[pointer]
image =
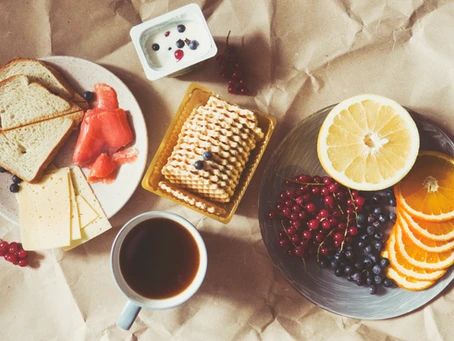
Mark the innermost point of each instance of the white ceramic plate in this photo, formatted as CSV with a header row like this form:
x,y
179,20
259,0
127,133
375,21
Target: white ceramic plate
x,y
83,74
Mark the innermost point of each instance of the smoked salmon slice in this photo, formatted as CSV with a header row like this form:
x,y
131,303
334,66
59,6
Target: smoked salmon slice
x,y
105,97
104,131
105,166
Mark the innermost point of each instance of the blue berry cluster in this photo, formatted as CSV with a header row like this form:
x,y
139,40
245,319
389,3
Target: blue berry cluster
x,y
14,187
199,164
360,261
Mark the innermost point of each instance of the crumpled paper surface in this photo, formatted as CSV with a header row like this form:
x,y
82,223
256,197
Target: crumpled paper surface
x,y
300,56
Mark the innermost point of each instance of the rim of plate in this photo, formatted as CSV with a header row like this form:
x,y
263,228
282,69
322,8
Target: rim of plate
x,y
437,288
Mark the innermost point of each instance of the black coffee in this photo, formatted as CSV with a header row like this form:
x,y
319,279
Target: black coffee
x,y
159,258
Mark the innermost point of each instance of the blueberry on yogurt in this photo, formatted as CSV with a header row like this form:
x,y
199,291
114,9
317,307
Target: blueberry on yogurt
x,y
180,43
181,28
193,44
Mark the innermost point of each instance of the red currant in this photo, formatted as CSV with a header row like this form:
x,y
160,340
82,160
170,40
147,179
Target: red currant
x,y
296,224
305,243
231,89
310,207
341,226
297,208
338,236
290,193
326,224
317,179
305,188
353,230
306,198
288,203
307,234
340,195
294,216
286,211
299,251
334,187
283,242
13,247
291,231
359,201
324,191
319,237
312,224
13,259
328,200
295,239
302,215
327,180
237,75
22,254
324,251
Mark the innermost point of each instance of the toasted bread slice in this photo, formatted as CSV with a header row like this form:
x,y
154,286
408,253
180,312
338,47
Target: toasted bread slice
x,y
23,102
44,74
27,151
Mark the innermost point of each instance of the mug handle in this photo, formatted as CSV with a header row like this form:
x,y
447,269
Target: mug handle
x,y
128,315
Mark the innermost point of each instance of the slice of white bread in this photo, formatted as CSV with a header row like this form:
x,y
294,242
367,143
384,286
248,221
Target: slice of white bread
x,y
42,73
27,151
23,102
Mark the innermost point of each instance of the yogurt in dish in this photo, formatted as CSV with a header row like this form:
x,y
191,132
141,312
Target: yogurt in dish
x,y
173,43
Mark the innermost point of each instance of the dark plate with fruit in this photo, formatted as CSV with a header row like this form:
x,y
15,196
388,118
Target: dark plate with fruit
x,y
336,271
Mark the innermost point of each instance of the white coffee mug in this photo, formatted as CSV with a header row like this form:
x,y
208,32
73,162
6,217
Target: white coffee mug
x,y
136,301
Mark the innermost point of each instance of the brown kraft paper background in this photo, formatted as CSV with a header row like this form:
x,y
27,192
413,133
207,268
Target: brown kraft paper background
x,y
300,56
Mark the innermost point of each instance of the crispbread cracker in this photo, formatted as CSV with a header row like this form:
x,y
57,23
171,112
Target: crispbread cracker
x,y
187,197
245,116
229,133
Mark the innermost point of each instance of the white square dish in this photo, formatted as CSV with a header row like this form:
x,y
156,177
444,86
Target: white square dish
x,y
174,43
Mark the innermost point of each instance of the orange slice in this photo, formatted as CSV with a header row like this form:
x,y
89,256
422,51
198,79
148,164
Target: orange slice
x,y
422,241
427,192
403,281
399,263
419,257
368,142
438,231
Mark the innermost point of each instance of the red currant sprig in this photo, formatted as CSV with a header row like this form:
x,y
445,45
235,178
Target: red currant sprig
x,y
232,70
318,215
13,253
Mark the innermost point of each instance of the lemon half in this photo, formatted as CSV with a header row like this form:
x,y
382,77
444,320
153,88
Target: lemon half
x,y
368,142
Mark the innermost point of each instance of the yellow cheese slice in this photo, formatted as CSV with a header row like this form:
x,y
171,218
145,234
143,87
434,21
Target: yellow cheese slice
x,y
86,213
45,212
75,216
97,226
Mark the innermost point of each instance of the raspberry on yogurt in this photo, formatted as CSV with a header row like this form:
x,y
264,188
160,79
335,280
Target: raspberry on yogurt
x,y
176,42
